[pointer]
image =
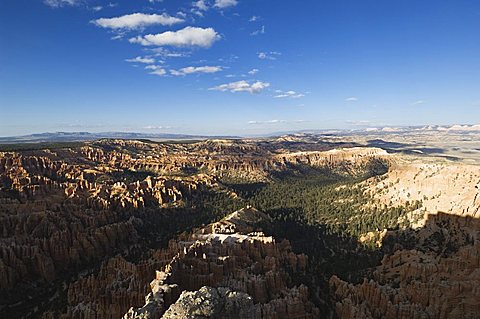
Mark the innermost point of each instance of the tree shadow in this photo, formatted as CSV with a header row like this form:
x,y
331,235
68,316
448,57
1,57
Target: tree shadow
x,y
330,253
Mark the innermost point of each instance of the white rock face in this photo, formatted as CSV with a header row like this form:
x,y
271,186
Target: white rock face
x,y
211,303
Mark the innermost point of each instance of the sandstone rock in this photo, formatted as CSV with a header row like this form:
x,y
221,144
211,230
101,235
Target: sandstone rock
x,y
249,264
435,280
212,303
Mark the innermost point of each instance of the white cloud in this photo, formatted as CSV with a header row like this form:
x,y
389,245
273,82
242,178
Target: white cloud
x,y
198,69
221,4
289,94
97,8
156,127
253,71
60,3
186,37
200,5
140,59
260,31
153,67
159,72
176,73
254,18
268,55
242,86
267,122
156,70
168,54
136,20
359,122
351,99
418,102
197,12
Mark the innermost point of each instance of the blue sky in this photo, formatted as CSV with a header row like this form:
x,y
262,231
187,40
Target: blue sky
x,y
236,66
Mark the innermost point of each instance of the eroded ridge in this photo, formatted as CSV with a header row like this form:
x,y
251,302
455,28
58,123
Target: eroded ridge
x,y
231,259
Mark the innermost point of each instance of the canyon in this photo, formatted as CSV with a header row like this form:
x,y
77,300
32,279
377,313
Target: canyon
x,y
141,229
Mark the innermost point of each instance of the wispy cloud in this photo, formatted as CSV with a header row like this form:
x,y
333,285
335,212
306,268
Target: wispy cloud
x,y
156,70
288,94
165,53
253,71
254,18
198,69
242,86
418,102
267,122
186,37
351,99
156,127
200,5
260,31
359,122
272,55
140,59
221,4
136,21
61,3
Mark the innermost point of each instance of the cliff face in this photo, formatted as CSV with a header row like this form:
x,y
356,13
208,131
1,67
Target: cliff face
x,y
431,271
236,159
257,270
441,186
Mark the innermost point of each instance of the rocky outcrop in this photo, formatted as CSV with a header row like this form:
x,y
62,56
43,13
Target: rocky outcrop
x,y
212,303
438,278
223,302
443,186
247,263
